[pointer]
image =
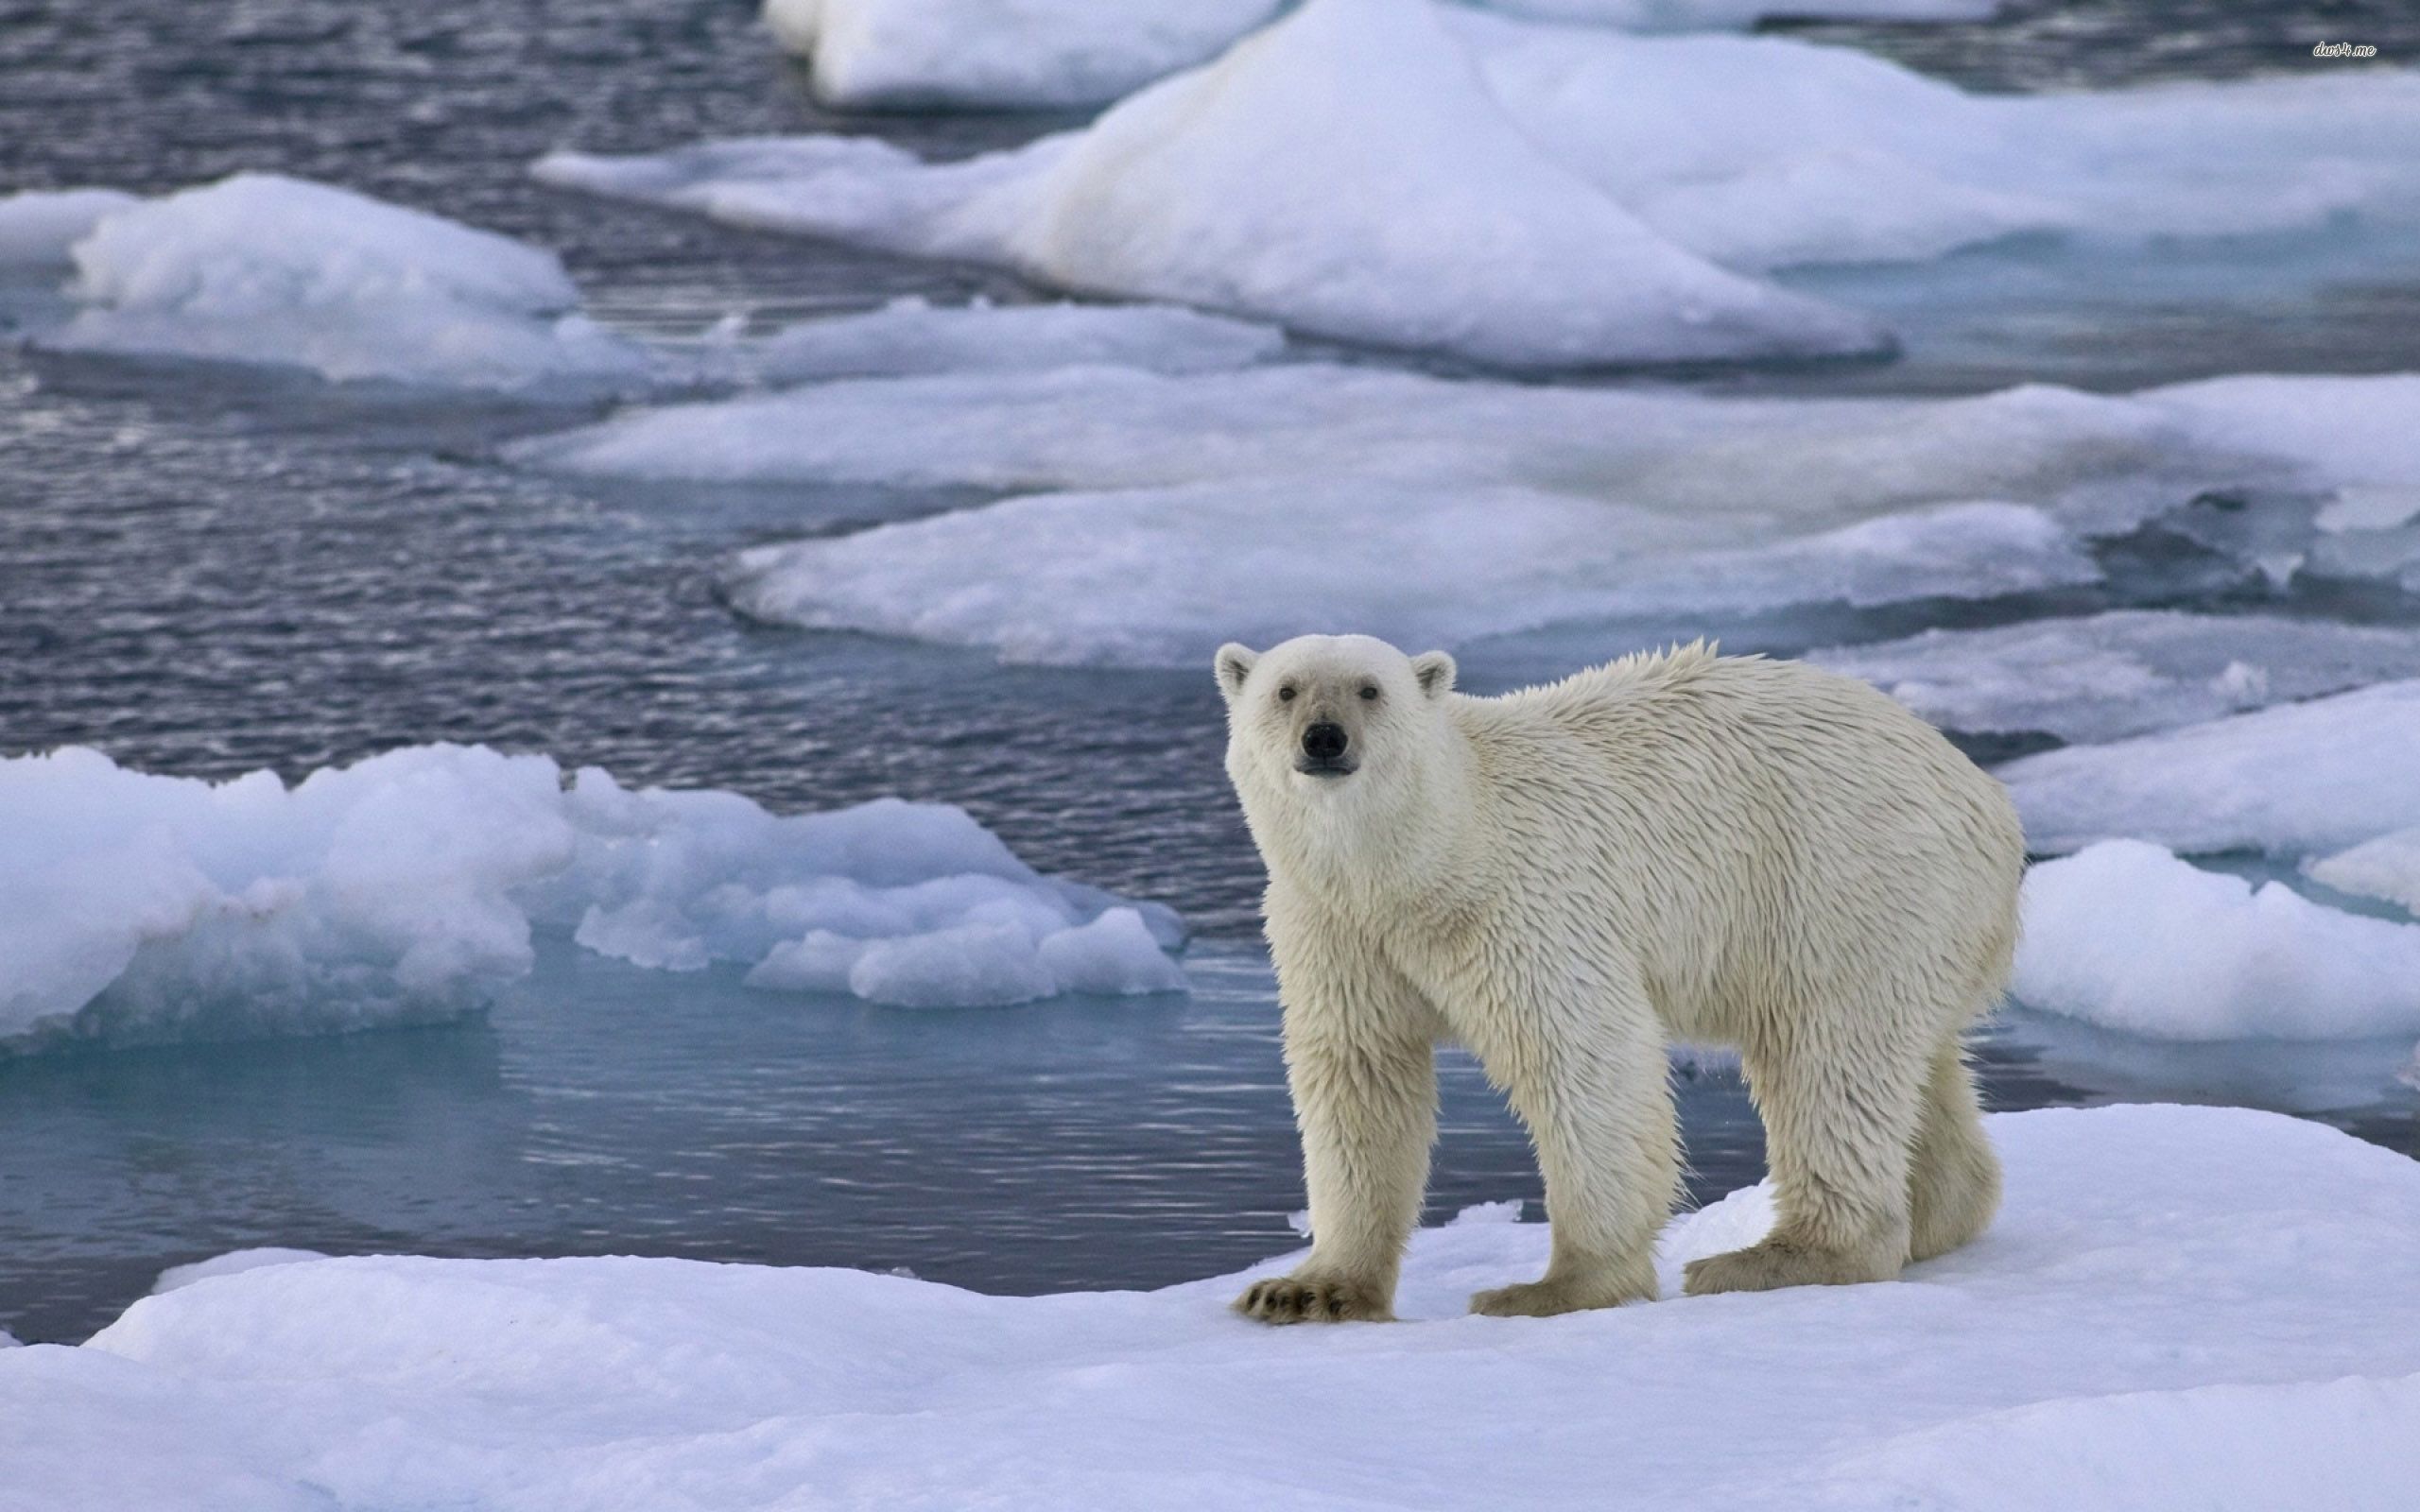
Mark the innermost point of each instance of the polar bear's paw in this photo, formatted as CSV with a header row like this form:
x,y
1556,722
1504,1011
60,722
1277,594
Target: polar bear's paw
x,y
1314,1299
1775,1263
1554,1295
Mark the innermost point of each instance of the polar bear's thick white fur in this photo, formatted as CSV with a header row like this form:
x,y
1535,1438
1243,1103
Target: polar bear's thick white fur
x,y
1566,878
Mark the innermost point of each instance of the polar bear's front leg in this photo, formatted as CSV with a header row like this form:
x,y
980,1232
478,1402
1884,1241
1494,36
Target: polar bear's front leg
x,y
1585,1067
1361,1061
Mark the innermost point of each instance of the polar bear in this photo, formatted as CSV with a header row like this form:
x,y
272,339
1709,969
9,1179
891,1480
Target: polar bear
x,y
1563,879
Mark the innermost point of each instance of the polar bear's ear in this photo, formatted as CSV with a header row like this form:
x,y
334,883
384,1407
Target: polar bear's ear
x,y
1236,660
1435,670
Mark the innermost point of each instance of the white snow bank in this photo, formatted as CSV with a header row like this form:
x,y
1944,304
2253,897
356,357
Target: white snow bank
x,y
1159,577
2298,779
1169,490
2387,867
264,268
1404,209
1480,175
2176,1305
1031,53
877,54
2104,677
41,227
911,336
402,888
234,1263
2124,935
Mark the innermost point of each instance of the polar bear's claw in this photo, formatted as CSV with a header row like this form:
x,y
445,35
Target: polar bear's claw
x,y
1312,1299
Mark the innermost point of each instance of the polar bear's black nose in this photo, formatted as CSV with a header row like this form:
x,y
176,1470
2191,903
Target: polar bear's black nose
x,y
1324,740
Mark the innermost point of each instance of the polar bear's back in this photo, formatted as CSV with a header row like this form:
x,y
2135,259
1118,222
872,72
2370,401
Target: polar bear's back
x,y
1725,813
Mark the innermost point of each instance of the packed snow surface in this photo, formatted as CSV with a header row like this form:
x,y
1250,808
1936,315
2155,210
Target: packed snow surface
x,y
2104,677
2299,779
1026,53
1030,54
1518,193
262,269
2124,935
1448,509
403,887
2177,1306
1406,211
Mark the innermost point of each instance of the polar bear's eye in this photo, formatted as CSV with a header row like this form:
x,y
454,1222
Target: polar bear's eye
x,y
1368,690
1286,694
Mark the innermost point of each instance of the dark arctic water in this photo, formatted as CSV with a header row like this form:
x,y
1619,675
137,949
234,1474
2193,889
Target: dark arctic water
x,y
206,569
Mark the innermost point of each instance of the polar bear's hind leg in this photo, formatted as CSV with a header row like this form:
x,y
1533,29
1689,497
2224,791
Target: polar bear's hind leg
x,y
1954,1181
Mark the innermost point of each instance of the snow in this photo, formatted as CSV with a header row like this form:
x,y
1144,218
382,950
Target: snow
x,y
39,227
2104,677
235,1263
1519,193
1219,187
1026,53
1160,578
2176,1306
1153,498
2126,935
403,887
911,336
1030,54
2387,867
2297,779
262,269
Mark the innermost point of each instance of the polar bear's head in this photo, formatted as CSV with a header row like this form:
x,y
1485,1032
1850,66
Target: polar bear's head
x,y
1331,719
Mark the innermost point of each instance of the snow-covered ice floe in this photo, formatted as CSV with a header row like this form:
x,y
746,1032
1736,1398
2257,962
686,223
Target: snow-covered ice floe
x,y
404,888
264,268
1548,196
2129,671
2297,781
900,54
2177,1306
2125,935
1450,510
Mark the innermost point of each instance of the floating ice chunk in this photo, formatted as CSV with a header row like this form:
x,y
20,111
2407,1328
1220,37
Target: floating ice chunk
x,y
140,907
1159,577
2190,1305
2108,676
2124,935
262,269
235,1263
402,888
1502,169
909,336
1220,187
898,53
2387,867
1040,53
39,227
2297,779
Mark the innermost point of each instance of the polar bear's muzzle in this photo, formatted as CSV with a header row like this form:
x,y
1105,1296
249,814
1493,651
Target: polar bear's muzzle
x,y
1326,751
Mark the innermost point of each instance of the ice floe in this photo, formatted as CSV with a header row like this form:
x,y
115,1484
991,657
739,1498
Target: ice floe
x,y
403,887
2297,781
264,268
2126,935
2104,677
1162,576
2387,867
1545,196
41,227
1024,54
890,54
2176,1306
1406,211
1157,499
